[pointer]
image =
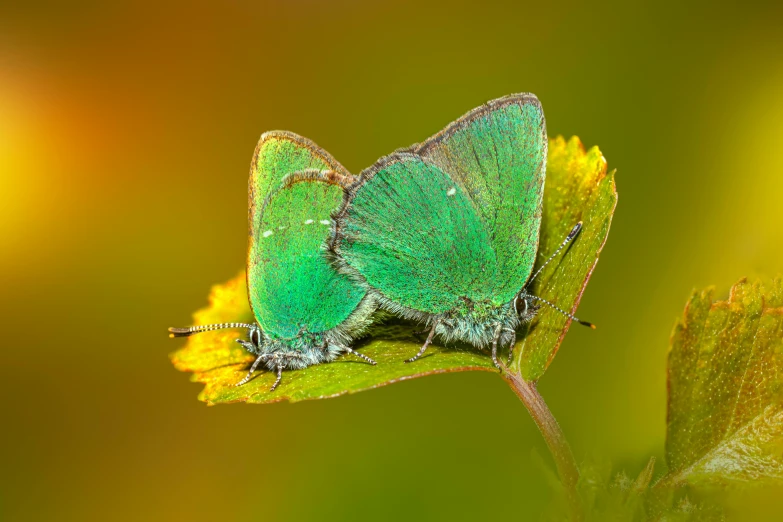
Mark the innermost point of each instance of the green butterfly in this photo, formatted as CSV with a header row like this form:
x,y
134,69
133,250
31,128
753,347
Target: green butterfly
x,y
446,231
307,313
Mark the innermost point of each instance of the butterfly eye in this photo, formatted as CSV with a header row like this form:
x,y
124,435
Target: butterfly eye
x,y
520,305
255,336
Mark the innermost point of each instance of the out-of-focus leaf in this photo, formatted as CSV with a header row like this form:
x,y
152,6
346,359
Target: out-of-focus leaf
x,y
725,418
682,505
618,497
577,188
621,498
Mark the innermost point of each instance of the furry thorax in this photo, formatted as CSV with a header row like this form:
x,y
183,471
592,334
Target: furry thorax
x,y
310,348
478,324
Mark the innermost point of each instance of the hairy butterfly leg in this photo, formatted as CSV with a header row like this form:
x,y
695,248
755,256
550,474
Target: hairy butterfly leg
x,y
498,331
279,377
360,355
247,345
511,344
425,345
253,368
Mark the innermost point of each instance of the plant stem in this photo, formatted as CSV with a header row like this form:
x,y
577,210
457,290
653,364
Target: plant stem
x,y
555,440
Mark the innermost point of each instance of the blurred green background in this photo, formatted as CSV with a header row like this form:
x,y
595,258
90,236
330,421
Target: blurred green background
x,y
126,133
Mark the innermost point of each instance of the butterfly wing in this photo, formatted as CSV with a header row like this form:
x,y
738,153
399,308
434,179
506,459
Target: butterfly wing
x,y
278,155
498,153
294,186
454,218
413,234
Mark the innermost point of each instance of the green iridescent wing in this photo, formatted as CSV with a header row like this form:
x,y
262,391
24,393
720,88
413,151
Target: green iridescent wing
x,y
294,187
455,217
280,154
498,152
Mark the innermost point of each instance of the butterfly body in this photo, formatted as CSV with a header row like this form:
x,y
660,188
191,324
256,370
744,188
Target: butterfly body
x,y
306,312
447,231
296,353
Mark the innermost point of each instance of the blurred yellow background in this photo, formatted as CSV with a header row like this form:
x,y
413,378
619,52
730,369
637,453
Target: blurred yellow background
x,y
126,133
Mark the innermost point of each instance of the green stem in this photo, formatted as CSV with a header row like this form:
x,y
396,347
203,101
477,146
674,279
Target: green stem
x,y
555,440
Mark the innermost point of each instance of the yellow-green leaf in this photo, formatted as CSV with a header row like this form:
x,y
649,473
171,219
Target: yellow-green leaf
x,y
725,419
220,363
577,188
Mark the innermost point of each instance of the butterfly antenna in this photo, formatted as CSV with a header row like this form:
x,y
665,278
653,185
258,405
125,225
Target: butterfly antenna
x,y
570,316
190,330
571,235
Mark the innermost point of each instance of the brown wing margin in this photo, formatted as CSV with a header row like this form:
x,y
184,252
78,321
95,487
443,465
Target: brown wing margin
x,y
511,99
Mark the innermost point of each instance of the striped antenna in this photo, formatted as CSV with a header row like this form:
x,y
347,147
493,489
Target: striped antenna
x,y
190,330
523,294
570,316
571,235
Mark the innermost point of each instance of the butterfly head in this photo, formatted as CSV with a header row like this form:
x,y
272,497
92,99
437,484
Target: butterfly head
x,y
477,323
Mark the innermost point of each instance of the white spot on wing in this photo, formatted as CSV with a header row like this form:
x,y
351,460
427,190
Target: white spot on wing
x,y
309,222
267,233
451,191
324,222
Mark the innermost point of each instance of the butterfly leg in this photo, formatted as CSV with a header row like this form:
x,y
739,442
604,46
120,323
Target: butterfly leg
x,y
247,345
498,331
252,369
360,355
511,345
425,345
279,377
